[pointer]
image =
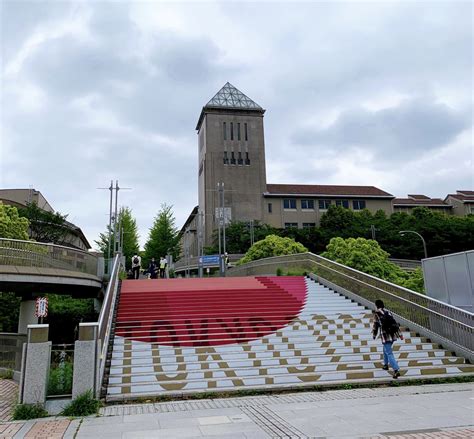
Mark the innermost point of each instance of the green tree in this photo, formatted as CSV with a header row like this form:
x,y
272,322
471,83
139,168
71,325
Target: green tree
x,y
9,312
12,224
163,237
45,226
273,245
367,256
130,244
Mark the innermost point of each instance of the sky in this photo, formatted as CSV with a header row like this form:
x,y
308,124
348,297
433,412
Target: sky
x,y
356,93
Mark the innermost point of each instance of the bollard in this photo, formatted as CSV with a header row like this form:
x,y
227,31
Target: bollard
x,y
85,360
35,367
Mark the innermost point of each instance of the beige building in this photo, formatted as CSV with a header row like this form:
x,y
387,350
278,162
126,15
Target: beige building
x,y
462,202
232,177
233,185
408,204
22,197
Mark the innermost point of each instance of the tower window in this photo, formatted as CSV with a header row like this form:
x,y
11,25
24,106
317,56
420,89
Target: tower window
x,y
224,127
238,131
232,157
246,132
247,159
240,160
231,131
226,158
270,207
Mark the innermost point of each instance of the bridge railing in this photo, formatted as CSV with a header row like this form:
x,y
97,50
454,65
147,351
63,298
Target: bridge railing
x,y
15,252
450,326
106,318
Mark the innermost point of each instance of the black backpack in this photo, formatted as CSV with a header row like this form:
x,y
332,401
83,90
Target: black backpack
x,y
389,324
136,260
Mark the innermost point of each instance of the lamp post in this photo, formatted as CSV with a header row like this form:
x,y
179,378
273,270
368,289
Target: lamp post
x,y
404,232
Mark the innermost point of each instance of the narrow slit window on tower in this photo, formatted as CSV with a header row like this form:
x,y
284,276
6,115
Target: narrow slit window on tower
x,y
232,158
247,159
224,127
231,131
238,131
246,132
270,207
226,159
240,160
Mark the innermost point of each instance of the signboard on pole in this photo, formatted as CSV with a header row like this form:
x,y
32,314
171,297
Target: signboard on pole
x,y
41,309
210,261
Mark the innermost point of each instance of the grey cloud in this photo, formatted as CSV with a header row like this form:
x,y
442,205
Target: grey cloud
x,y
410,129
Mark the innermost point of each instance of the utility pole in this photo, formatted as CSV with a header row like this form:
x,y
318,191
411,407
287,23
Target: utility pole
x,y
373,230
252,233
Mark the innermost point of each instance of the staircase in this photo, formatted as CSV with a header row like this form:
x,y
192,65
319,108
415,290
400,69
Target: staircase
x,y
181,336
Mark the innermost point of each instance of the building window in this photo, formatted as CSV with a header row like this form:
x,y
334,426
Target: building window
x,y
231,131
240,160
343,203
289,203
358,204
232,158
226,158
309,225
224,127
246,132
324,204
238,131
270,207
291,225
307,204
247,160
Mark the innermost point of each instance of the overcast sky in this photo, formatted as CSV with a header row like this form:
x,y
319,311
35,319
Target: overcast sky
x,y
371,93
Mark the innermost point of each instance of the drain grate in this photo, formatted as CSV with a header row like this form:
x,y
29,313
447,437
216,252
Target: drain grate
x,y
271,423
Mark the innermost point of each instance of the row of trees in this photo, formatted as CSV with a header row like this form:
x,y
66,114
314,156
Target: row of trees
x,y
162,239
443,234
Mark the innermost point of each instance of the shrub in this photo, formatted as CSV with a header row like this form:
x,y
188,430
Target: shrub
x,y
273,245
6,374
28,411
60,379
84,405
279,272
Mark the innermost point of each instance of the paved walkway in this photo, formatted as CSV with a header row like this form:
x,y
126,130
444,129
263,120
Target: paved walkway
x,y
430,411
8,396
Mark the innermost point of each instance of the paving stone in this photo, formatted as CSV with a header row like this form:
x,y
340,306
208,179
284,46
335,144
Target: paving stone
x,y
48,429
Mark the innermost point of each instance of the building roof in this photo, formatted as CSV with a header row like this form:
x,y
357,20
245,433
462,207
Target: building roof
x,y
326,191
229,98
463,192
464,198
422,200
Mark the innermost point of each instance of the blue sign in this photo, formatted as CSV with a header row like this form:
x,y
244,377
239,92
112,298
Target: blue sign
x,y
211,260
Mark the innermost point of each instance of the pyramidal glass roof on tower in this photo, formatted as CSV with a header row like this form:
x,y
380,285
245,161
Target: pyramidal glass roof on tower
x,y
229,97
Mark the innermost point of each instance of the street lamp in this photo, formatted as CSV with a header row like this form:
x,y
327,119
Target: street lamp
x,y
403,232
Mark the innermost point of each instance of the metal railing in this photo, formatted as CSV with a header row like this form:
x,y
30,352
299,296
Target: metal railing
x,y
11,350
106,317
406,264
454,327
194,262
14,252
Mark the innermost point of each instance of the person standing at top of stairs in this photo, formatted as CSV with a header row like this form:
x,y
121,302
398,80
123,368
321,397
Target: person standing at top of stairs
x,y
389,330
163,263
136,265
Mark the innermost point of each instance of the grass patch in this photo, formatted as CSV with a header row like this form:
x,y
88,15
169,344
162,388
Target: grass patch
x,y
84,405
29,411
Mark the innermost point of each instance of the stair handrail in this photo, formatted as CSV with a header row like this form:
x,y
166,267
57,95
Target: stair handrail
x,y
452,324
106,318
